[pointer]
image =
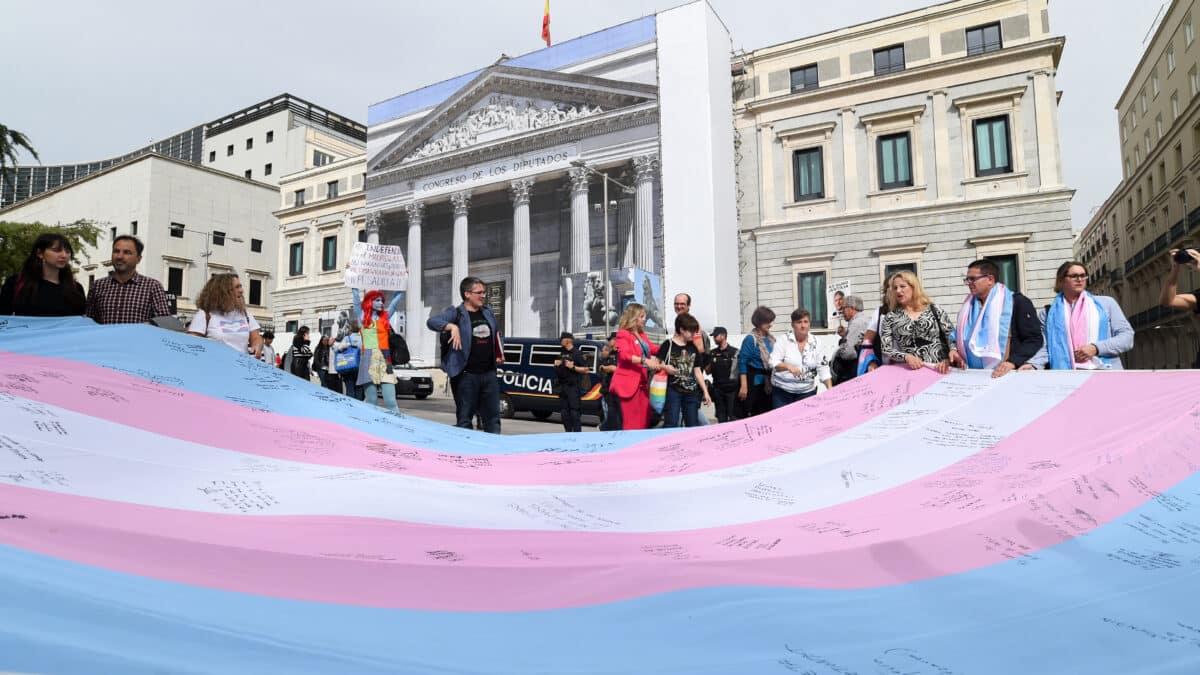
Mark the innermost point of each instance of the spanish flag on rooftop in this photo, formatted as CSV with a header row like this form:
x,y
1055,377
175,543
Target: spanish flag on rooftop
x,y
546,24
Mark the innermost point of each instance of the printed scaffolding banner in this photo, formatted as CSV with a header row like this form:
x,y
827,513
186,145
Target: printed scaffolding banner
x,y
168,505
377,266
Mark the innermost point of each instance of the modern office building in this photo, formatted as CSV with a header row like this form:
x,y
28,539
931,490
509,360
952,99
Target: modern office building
x,y
219,180
194,221
1156,206
919,141
500,173
321,215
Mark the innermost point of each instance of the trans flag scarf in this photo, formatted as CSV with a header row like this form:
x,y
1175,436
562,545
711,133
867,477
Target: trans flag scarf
x,y
1069,327
982,333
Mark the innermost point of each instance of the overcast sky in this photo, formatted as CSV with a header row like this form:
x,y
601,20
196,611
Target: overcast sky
x,y
89,80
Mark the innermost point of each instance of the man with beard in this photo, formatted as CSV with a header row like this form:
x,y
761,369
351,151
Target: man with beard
x,y
125,296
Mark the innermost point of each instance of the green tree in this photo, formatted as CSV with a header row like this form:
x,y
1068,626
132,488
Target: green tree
x,y
12,141
16,240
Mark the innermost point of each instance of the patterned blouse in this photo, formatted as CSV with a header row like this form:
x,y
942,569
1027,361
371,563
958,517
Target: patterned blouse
x,y
927,338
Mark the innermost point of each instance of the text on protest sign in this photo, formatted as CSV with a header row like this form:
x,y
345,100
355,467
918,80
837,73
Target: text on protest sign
x,y
377,266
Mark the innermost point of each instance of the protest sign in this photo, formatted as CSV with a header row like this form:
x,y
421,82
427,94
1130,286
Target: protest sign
x,y
377,266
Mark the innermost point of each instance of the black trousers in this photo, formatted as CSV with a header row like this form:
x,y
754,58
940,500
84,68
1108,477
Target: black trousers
x,y
757,402
568,407
727,404
612,413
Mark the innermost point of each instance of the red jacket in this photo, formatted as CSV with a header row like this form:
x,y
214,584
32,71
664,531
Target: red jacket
x,y
629,375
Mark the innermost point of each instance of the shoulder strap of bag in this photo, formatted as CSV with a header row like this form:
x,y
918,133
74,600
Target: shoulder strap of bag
x,y
941,329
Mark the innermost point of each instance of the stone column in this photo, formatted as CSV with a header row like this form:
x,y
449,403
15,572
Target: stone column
x,y
521,322
1045,101
581,237
462,205
941,145
414,319
374,225
643,224
850,159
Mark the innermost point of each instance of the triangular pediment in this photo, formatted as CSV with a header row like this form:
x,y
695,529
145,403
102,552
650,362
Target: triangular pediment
x,y
505,101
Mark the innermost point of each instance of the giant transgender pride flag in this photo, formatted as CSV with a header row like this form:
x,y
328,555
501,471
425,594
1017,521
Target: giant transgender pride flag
x,y
170,506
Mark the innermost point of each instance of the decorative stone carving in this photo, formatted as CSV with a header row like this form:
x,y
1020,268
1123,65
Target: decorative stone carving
x,y
644,168
501,113
519,191
461,202
579,178
374,223
415,210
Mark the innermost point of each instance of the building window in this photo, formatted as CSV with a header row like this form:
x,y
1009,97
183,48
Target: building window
x,y
218,238
1189,33
256,245
270,136
1178,157
266,169
1127,167
256,292
229,151
1194,81
299,200
177,230
332,188
1171,59
248,174
113,231
1158,126
91,282
1146,141
992,154
175,281
212,156
362,236
1137,156
1174,107
1010,271
889,60
983,39
249,143
1154,83
296,259
133,227
329,253
291,326
320,158
895,161
804,78
811,287
889,270
808,174
1124,131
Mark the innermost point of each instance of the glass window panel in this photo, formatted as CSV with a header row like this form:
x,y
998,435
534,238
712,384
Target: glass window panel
x,y
983,147
812,297
902,159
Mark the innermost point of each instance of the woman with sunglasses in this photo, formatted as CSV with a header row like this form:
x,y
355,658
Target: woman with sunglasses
x,y
1081,331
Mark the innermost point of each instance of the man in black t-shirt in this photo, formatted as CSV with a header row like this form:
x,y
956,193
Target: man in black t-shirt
x,y
568,367
722,365
474,351
609,400
1171,297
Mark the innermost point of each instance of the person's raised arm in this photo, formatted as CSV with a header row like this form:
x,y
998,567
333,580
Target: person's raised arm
x,y
1170,295
391,308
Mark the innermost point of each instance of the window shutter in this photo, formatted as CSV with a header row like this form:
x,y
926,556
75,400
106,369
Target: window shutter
x,y
356,181
342,185
322,190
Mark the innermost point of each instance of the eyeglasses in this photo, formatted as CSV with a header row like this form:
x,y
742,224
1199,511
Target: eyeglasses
x,y
1077,277
977,277
477,292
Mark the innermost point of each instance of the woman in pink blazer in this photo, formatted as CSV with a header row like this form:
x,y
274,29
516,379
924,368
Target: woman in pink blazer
x,y
631,381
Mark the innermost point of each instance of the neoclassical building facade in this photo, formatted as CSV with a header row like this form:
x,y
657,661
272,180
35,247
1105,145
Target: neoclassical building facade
x,y
541,170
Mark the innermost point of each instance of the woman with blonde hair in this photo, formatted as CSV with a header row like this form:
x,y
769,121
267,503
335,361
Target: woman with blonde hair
x,y
221,315
916,332
630,382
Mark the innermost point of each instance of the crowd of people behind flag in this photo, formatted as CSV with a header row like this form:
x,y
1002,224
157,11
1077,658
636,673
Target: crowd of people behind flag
x,y
995,328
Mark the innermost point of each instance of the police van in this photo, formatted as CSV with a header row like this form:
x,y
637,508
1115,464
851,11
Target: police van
x,y
527,377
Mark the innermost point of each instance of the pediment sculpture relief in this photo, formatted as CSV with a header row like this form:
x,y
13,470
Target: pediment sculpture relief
x,y
502,114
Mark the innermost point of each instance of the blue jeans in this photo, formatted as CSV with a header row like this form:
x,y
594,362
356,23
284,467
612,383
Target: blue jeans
x,y
389,395
780,398
477,394
679,404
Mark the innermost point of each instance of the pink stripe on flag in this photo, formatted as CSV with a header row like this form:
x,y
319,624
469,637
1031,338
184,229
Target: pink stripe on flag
x,y
86,389
1045,484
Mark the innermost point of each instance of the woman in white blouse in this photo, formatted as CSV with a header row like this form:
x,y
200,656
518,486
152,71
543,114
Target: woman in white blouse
x,y
797,363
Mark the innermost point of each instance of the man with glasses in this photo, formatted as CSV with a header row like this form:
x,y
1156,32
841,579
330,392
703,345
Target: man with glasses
x,y
997,328
471,350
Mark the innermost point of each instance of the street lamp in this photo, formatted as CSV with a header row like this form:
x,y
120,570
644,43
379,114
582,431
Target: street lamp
x,y
625,189
208,237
